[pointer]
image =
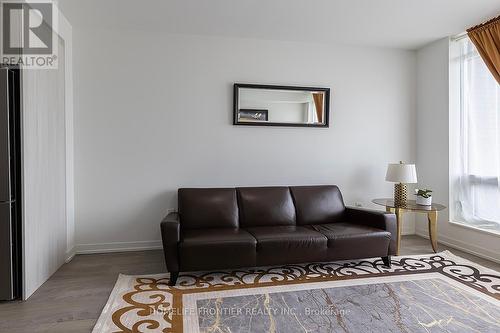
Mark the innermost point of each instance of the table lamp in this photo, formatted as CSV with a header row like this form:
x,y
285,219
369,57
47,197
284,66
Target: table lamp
x,y
401,174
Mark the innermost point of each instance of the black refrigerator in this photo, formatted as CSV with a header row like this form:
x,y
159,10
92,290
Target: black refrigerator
x,y
10,184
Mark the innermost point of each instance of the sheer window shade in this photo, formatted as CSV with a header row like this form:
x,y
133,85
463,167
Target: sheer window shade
x,y
477,191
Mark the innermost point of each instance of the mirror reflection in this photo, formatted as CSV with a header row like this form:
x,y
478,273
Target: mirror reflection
x,y
283,106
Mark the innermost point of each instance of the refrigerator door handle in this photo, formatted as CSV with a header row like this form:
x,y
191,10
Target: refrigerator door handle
x,y
5,185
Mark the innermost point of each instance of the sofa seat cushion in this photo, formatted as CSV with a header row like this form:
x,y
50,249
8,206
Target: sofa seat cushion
x,y
202,249
288,244
353,241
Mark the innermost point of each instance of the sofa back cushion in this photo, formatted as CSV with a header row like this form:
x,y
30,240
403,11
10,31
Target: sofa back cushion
x,y
265,206
208,208
318,204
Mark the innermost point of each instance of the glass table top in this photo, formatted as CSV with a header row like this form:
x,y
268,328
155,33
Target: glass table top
x,y
410,205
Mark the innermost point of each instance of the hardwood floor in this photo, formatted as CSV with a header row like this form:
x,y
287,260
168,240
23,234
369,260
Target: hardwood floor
x,y
72,299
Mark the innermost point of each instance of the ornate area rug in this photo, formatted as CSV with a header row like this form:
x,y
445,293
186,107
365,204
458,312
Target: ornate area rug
x,y
425,293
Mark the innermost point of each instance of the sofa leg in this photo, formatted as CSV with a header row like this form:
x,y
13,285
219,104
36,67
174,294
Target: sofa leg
x,y
387,261
173,278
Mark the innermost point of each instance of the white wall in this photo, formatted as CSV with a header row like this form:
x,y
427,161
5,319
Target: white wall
x,y
433,121
153,113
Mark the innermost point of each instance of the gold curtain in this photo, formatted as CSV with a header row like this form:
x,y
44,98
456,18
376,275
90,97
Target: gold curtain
x,y
486,38
318,103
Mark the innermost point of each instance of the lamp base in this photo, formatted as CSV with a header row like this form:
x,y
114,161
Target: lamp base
x,y
400,194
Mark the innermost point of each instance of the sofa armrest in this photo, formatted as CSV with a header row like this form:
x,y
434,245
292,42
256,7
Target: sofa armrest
x,y
171,235
377,219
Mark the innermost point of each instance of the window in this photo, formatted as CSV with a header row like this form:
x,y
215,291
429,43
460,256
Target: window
x,y
475,168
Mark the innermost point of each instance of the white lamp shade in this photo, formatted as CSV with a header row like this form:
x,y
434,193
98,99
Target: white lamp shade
x,y
401,173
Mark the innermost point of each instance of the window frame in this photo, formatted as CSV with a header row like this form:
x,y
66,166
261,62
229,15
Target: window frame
x,y
456,105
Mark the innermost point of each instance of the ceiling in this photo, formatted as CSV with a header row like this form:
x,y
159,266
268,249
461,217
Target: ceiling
x,y
407,24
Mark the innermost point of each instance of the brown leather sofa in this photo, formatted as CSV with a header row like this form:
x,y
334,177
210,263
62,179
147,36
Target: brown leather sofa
x,y
219,228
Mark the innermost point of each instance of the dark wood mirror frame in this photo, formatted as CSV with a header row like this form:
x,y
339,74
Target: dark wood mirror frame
x,y
237,87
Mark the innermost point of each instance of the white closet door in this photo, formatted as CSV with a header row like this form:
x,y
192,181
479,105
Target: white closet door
x,y
44,163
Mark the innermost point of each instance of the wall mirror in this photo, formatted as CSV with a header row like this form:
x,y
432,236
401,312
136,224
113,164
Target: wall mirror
x,y
265,105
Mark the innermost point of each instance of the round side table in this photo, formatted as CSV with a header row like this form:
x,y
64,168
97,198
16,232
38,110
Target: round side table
x,y
411,206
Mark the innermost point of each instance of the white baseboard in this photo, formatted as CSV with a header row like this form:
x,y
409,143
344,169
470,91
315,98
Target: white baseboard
x,y
70,254
118,247
462,246
134,246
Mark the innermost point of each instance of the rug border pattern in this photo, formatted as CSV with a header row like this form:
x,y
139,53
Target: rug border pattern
x,y
168,300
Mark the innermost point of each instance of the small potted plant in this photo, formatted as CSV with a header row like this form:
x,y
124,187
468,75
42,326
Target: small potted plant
x,y
424,197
